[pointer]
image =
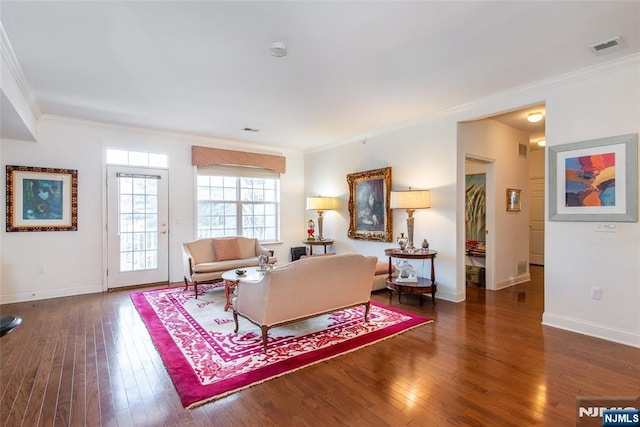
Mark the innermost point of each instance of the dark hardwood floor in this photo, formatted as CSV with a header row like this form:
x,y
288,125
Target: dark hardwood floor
x,y
88,360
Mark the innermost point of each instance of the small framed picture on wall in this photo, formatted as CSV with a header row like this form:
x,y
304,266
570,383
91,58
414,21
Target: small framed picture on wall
x,y
513,200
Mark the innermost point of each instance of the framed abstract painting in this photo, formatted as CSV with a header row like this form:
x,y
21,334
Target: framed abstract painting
x,y
41,199
595,180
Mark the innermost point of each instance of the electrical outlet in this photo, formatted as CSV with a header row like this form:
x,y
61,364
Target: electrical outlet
x,y
41,269
596,293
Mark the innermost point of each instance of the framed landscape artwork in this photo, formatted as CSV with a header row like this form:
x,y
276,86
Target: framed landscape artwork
x,y
41,199
594,180
369,209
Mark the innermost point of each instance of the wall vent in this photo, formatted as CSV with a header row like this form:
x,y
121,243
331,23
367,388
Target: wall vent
x,y
608,46
522,267
523,150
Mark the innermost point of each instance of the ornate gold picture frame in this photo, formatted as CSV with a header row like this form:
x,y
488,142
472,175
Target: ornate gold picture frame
x,y
514,203
41,199
369,208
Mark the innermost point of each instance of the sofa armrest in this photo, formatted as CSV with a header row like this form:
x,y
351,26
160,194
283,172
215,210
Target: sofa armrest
x,y
261,250
251,299
188,262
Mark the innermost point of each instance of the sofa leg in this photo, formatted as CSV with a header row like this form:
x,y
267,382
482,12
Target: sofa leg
x,y
235,319
265,335
367,306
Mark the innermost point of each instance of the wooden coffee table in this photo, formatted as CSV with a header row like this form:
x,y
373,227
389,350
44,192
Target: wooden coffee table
x,y
231,279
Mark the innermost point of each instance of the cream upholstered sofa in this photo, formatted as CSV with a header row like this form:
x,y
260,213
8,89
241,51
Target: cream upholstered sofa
x,y
303,289
381,272
206,259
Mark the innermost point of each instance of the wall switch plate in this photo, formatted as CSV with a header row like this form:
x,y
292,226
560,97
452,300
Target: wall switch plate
x,y
596,293
606,228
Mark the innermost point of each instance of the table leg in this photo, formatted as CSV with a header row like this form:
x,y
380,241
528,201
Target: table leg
x,y
433,282
229,285
433,272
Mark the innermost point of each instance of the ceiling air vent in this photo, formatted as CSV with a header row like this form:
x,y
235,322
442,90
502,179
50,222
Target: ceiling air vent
x,y
608,46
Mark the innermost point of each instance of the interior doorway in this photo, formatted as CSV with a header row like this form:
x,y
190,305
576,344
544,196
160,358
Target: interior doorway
x,y
479,220
508,152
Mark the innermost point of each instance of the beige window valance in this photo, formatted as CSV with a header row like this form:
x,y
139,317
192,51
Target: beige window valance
x,y
207,156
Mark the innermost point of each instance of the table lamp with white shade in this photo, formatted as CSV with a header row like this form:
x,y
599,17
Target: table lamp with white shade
x,y
410,200
321,204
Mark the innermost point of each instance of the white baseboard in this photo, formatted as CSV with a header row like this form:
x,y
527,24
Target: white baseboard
x,y
592,329
513,281
53,293
447,296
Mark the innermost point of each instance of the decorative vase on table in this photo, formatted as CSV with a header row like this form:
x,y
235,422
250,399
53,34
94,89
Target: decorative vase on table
x,y
402,241
263,262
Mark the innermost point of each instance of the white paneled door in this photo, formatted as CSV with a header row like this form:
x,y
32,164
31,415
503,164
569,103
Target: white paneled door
x,y
137,228
536,221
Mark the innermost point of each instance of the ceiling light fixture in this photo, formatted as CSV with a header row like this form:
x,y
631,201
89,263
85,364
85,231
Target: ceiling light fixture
x,y
278,49
534,117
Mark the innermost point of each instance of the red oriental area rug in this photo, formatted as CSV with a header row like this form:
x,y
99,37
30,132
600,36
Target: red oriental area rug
x,y
207,360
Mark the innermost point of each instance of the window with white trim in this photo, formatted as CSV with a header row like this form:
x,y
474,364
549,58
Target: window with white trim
x,y
136,158
238,201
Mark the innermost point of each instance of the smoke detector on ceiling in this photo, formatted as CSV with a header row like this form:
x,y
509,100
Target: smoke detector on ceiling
x,y
608,46
278,49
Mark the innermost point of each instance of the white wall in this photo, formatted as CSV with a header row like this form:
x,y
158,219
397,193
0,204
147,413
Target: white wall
x,y
576,257
74,261
421,156
536,164
597,102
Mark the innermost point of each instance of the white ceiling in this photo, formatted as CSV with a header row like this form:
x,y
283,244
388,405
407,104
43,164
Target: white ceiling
x,y
353,67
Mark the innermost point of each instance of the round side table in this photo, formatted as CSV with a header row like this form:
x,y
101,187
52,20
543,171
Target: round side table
x,y
317,242
422,285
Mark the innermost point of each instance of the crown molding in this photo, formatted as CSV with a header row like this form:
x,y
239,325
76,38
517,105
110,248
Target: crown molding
x,y
535,89
9,56
206,140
